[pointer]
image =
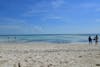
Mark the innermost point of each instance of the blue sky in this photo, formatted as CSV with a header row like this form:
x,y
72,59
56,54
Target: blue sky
x,y
49,16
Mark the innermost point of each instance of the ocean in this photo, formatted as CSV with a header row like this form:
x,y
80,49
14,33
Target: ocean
x,y
47,38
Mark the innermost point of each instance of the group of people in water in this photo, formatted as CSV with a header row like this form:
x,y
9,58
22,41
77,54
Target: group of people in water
x,y
96,38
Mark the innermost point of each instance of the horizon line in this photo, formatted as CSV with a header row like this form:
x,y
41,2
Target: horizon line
x,y
50,34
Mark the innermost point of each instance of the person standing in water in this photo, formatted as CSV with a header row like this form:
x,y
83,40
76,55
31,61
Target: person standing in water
x,y
96,39
8,38
90,40
15,38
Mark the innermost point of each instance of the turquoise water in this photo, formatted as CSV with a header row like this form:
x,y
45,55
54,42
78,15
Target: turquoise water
x,y
49,38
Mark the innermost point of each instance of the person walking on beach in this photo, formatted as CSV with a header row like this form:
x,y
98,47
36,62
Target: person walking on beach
x,y
96,39
90,40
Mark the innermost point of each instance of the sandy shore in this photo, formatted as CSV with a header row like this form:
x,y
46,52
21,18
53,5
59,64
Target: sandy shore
x,y
49,55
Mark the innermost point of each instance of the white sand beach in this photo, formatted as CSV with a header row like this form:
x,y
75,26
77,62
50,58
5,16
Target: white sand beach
x,y
49,55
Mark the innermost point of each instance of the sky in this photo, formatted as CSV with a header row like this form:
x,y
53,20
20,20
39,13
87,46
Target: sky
x,y
49,16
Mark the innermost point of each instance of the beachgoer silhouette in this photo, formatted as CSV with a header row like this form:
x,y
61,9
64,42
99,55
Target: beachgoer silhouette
x,y
90,40
96,39
8,38
15,38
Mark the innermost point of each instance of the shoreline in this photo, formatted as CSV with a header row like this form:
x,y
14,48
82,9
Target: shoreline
x,y
4,43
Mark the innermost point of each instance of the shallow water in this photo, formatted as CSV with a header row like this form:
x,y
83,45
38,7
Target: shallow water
x,y
49,38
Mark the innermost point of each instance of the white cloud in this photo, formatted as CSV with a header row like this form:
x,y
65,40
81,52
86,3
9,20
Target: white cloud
x,y
97,20
57,3
93,6
36,9
37,29
43,7
97,9
89,5
12,21
85,7
52,17
32,29
34,12
11,24
27,29
20,26
9,27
